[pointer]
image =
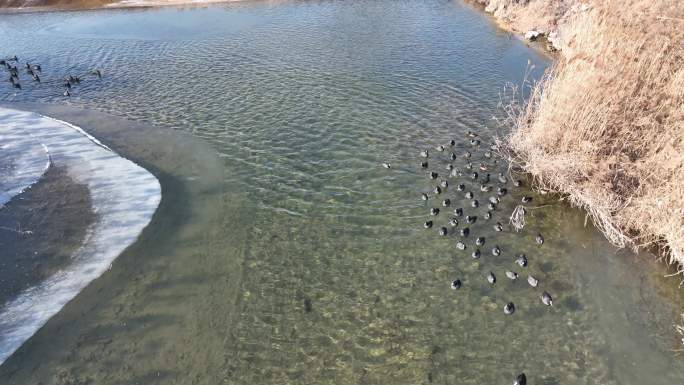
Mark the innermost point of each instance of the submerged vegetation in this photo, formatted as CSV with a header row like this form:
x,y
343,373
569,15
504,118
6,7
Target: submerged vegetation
x,y
605,127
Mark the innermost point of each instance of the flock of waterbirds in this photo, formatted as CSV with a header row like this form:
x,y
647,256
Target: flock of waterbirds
x,y
466,179
34,71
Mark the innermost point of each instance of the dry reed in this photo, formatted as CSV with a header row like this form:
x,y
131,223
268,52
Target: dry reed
x,y
605,127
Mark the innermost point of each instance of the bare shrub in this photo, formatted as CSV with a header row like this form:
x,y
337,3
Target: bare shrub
x,y
605,127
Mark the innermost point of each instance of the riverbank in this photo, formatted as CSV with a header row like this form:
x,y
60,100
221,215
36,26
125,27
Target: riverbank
x,y
605,127
68,5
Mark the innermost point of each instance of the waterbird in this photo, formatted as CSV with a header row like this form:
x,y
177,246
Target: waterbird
x,y
488,154
474,142
469,195
453,222
427,224
476,254
483,167
443,231
475,203
424,164
502,178
444,183
532,281
460,245
452,156
424,154
509,308
449,167
424,196
437,190
511,275
539,239
471,134
440,148
434,211
97,73
496,251
491,278
458,212
498,226
456,284
485,188
480,241
493,199
17,85
386,165
526,199
67,85
37,67
467,155
36,77
465,231
488,214
452,143
473,175
520,379
66,93
471,219
460,187
446,203
433,175
521,260
468,166
491,206
308,305
546,299
517,183
501,191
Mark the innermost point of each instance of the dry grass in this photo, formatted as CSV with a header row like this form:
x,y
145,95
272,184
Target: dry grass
x,y
605,127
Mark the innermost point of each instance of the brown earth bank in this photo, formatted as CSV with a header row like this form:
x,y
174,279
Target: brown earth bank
x,y
46,5
56,3
605,127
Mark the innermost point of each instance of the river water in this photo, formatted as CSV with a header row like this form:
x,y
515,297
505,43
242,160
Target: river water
x,y
282,252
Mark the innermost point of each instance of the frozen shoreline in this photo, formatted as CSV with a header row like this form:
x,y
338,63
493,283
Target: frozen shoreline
x,y
46,5
124,195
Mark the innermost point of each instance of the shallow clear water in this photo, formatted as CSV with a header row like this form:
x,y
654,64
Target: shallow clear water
x,y
299,103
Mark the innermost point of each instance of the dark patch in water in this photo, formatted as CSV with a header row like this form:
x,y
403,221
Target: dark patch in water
x,y
56,212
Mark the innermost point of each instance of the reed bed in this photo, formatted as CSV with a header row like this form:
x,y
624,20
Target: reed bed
x,y
605,126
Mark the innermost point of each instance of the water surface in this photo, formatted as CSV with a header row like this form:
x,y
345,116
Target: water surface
x,y
286,203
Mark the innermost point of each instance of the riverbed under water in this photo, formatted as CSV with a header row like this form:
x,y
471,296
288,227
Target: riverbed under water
x,y
282,252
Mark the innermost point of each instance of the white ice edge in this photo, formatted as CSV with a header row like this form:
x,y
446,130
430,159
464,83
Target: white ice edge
x,y
24,161
124,197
